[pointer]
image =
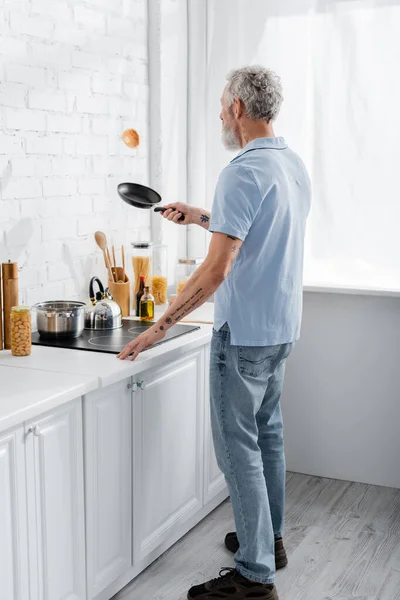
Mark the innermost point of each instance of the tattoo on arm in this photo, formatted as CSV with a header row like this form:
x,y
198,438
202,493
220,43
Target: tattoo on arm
x,y
186,307
204,218
162,327
234,248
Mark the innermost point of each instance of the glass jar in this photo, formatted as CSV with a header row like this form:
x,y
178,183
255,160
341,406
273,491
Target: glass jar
x,y
21,332
184,270
142,253
159,274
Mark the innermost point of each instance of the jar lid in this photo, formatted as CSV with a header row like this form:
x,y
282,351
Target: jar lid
x,y
20,309
141,244
190,261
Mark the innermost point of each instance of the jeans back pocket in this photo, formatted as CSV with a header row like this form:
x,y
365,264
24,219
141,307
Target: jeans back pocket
x,y
255,360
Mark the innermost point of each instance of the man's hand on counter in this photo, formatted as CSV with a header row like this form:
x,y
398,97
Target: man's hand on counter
x,y
201,285
143,341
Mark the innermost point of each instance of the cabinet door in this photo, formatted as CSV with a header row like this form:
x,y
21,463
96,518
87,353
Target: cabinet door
x,y
214,480
168,457
13,524
108,484
54,461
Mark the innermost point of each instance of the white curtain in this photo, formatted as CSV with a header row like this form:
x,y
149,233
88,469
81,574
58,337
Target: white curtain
x,y
339,61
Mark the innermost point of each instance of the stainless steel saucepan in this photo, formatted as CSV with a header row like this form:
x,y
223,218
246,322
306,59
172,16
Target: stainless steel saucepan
x,y
59,318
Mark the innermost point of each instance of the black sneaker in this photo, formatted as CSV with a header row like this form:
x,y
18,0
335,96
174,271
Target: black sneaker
x,y
281,560
232,586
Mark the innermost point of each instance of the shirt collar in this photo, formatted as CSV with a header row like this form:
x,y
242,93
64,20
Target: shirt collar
x,y
274,143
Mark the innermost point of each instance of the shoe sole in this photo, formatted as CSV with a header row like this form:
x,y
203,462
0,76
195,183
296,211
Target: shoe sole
x,y
273,596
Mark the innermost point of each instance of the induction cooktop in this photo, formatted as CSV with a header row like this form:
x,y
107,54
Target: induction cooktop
x,y
111,341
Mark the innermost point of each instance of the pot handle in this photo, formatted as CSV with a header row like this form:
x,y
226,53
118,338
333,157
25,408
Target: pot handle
x,y
91,288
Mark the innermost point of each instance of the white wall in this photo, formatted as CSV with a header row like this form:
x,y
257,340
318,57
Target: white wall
x,y
341,399
73,77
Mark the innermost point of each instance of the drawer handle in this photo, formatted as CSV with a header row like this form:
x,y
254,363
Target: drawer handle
x,y
35,429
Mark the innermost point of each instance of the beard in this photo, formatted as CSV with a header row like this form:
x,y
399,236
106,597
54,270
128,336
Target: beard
x,y
229,139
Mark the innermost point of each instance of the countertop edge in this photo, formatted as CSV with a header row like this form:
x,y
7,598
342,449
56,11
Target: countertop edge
x,y
27,413
352,291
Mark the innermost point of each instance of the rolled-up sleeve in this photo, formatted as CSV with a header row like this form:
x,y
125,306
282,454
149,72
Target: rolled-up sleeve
x,y
237,201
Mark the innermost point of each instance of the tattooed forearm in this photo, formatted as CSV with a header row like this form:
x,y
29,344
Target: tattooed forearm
x,y
204,218
189,308
234,248
187,302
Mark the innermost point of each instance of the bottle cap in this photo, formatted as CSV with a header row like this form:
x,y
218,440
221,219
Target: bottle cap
x,y
142,278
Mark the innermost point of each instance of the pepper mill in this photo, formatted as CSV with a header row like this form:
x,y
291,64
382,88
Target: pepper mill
x,y
10,297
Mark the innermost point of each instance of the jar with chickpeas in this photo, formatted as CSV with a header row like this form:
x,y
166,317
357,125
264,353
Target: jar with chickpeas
x,y
21,332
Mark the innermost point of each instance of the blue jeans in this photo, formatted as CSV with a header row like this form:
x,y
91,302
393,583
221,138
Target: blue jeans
x,y
246,419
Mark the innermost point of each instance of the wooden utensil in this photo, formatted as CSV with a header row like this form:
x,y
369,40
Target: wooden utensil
x,y
109,260
113,254
123,262
120,291
101,241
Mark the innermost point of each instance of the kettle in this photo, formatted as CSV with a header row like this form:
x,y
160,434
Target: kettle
x,y
103,312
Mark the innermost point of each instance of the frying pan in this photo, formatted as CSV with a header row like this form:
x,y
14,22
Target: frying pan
x,y
141,196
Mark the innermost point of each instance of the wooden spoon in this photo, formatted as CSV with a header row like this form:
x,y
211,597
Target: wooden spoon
x,y
101,241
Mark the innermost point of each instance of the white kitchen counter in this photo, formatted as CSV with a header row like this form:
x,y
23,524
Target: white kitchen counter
x,y
105,367
49,377
27,393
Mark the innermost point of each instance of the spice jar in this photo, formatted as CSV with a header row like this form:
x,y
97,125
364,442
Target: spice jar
x,y
159,270
21,333
184,270
142,253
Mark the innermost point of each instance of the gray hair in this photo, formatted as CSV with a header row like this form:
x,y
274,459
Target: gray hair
x,y
258,88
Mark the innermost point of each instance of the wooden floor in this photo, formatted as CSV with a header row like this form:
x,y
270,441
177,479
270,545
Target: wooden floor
x,y
343,541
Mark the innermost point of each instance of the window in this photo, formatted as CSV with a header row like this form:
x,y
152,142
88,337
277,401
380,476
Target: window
x,y
338,61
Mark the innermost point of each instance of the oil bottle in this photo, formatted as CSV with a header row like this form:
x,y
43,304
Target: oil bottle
x,y
146,309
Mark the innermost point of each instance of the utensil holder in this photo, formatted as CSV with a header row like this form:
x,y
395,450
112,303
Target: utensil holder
x,y
120,291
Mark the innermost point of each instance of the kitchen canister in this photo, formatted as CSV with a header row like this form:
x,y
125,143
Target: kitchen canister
x,y
159,284
120,290
20,331
142,255
184,270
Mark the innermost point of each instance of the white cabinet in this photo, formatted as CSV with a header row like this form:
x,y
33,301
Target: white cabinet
x,y
108,484
54,471
13,523
214,480
168,420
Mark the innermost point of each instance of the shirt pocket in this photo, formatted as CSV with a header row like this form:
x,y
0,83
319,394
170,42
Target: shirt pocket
x,y
256,360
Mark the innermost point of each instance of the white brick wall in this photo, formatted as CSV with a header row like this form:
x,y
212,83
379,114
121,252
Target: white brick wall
x,y
73,76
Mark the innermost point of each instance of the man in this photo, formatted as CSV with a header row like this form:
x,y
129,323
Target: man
x,y
254,265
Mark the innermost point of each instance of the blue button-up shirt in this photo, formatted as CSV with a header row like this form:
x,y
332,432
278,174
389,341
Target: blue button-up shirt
x,y
263,198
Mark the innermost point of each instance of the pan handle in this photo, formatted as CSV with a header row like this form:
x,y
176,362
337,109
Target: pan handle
x,y
163,209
